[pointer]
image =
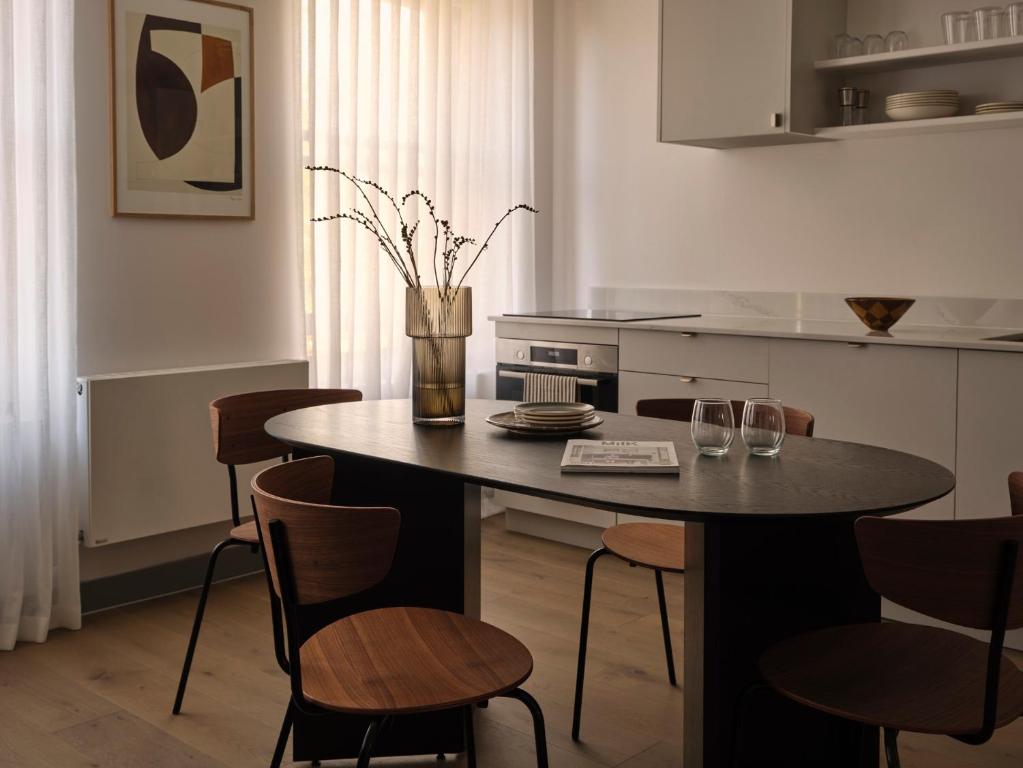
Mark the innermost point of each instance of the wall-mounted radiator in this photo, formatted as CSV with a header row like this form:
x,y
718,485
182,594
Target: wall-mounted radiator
x,y
147,452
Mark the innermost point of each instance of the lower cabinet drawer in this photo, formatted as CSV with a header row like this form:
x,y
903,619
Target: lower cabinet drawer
x,y
642,386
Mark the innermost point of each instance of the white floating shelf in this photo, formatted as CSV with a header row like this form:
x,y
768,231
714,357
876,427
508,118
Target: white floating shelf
x,y
916,127
936,55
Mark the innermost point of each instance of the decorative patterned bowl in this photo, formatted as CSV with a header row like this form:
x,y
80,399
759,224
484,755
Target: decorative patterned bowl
x,y
879,313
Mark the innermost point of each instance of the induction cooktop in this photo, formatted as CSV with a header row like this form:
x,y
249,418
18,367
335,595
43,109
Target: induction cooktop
x,y
607,315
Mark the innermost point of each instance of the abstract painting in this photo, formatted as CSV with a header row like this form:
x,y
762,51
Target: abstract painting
x,y
182,97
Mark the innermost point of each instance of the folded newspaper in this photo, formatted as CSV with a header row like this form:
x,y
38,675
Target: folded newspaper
x,y
619,456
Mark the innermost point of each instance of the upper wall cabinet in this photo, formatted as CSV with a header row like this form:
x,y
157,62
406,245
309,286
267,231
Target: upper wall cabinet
x,y
739,73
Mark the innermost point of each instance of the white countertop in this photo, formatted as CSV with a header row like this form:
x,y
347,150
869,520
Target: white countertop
x,y
951,336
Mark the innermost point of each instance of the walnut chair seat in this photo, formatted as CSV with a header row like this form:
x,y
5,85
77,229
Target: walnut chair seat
x,y
897,676
651,545
245,532
393,661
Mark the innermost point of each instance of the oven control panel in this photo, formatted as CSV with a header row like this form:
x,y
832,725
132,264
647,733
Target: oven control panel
x,y
600,358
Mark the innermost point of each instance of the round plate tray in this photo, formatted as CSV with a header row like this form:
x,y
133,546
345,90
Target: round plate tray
x,y
508,420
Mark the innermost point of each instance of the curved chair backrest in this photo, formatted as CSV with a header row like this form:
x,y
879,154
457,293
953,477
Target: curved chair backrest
x,y
1016,492
237,420
797,421
315,551
953,570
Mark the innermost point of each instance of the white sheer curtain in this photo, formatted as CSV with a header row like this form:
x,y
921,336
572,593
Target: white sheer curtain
x,y
428,94
38,517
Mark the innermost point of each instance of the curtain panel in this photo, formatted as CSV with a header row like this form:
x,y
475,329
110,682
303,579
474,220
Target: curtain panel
x,y
435,95
38,515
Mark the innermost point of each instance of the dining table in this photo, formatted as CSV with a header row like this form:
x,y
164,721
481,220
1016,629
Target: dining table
x,y
770,552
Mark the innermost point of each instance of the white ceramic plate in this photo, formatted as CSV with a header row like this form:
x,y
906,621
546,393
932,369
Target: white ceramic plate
x,y
924,93
554,410
913,102
925,112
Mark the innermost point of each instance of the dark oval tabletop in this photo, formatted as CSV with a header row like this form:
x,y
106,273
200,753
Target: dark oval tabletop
x,y
810,477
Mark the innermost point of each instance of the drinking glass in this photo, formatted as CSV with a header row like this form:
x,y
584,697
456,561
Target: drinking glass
x,y
990,22
713,426
1014,17
873,44
763,426
896,40
959,26
846,45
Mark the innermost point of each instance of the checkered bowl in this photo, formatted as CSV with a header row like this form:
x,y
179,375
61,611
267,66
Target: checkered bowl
x,y
879,313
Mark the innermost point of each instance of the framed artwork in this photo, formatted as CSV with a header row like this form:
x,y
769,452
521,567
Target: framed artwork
x,y
181,101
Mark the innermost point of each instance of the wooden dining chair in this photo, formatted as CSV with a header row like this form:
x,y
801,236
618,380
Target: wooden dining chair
x,y
904,677
657,546
1016,492
380,663
239,438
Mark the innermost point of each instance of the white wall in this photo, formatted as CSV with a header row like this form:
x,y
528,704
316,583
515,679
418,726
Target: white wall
x,y
925,215
156,293
162,293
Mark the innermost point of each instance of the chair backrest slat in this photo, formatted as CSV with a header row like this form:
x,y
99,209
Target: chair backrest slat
x,y
1016,492
334,551
237,420
797,421
946,569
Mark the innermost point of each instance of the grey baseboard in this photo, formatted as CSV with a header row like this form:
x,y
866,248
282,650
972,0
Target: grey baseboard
x,y
166,579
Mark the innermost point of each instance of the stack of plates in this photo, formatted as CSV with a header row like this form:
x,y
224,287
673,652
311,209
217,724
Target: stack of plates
x,y
921,105
548,418
993,107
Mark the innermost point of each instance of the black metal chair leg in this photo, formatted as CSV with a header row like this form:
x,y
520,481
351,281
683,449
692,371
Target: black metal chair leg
x,y
282,739
664,626
470,736
891,747
367,743
539,731
584,630
200,609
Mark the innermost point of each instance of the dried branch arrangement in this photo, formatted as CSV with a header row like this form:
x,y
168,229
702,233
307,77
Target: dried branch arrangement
x,y
447,245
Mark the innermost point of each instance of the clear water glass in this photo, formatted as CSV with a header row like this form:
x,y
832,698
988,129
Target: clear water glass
x,y
1014,16
990,22
873,44
896,40
713,426
763,426
959,27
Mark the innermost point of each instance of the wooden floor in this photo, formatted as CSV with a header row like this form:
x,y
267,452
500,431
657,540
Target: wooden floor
x,y
102,696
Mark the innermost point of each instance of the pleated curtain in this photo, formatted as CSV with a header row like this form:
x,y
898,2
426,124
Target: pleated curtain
x,y
38,516
435,95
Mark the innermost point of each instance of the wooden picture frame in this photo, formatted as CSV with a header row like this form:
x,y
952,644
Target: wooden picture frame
x,y
183,137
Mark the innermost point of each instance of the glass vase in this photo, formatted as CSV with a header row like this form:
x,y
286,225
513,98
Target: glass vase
x,y
438,322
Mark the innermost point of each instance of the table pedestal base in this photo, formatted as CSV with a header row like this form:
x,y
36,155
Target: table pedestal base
x,y
748,585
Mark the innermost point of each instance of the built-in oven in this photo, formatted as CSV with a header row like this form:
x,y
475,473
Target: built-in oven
x,y
595,366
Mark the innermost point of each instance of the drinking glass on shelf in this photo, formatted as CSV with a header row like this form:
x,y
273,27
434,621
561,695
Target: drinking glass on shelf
x,y
873,44
1014,18
846,45
959,27
713,426
763,426
990,21
896,40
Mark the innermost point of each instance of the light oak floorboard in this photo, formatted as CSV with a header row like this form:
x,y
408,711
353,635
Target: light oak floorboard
x,y
101,697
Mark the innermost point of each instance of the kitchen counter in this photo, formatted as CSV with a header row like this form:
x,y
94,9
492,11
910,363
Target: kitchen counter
x,y
951,336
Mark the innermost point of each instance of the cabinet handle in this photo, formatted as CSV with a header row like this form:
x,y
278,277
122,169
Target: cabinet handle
x,y
856,344
687,334
776,119
687,379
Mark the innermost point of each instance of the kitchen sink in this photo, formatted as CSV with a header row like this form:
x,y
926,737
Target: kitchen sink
x,y
1006,337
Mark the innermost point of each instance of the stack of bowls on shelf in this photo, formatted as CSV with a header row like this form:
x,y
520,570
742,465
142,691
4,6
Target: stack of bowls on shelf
x,y
994,107
922,105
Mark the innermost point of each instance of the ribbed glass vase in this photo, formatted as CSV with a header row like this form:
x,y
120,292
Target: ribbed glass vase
x,y
438,323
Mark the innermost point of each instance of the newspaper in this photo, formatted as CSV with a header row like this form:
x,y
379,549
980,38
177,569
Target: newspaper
x,y
620,456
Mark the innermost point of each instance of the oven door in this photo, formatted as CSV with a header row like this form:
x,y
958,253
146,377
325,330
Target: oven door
x,y
598,389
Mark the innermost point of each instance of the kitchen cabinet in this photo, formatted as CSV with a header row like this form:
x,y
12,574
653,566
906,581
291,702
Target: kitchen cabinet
x,y
634,386
893,396
701,355
990,429
738,73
